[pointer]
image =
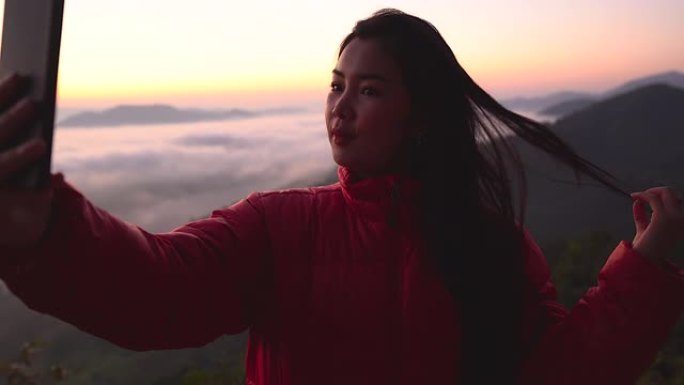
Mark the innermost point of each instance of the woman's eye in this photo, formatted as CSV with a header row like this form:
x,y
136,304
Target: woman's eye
x,y
369,91
335,87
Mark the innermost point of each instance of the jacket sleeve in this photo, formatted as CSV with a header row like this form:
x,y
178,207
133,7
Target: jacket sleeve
x,y
139,290
613,333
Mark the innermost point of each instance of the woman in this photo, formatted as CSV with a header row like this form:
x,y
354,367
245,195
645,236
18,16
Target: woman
x,y
412,269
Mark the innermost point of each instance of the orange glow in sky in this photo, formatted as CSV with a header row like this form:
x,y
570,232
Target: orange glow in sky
x,y
213,50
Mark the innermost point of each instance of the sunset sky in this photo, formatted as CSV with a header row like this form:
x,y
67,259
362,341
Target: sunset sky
x,y
270,52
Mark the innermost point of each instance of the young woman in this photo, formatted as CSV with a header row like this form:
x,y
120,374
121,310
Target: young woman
x,y
413,269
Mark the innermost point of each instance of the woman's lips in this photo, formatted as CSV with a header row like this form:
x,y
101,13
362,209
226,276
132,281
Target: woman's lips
x,y
341,137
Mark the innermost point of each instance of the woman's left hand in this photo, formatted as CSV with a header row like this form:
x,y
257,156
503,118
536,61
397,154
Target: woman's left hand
x,y
656,236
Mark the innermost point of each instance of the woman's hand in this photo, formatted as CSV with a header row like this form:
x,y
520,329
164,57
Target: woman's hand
x,y
23,213
656,236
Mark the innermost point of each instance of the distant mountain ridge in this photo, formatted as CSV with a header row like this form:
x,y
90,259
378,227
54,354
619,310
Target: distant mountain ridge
x,y
563,103
160,114
637,136
671,78
568,107
539,102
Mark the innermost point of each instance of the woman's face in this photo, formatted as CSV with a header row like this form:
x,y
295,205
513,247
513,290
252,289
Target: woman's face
x,y
367,111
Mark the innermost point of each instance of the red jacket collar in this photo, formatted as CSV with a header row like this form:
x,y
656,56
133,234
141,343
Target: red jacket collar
x,y
378,197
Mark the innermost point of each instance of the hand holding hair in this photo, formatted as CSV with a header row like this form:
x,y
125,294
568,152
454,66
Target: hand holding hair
x,y
657,236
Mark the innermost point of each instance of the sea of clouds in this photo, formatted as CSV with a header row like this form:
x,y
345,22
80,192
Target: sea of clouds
x,y
161,176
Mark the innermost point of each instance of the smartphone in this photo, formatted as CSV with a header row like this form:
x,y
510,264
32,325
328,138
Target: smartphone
x,y
31,37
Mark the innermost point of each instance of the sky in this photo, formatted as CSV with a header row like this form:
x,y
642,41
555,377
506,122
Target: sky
x,y
274,52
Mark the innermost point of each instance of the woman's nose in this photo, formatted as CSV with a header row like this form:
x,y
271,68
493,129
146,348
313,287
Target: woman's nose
x,y
343,109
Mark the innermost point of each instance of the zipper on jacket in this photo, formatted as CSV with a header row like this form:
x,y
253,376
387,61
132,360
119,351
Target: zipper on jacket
x,y
393,218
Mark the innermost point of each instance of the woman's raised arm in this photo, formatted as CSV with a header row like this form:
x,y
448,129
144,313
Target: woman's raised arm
x,y
64,256
613,333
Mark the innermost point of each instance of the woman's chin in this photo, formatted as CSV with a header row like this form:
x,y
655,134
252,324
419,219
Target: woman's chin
x,y
342,162
348,159
340,156
355,167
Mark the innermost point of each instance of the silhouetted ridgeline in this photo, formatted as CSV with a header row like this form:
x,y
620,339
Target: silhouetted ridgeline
x,y
541,102
568,107
637,136
670,78
160,114
563,104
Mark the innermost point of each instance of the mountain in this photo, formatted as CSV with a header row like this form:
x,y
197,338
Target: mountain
x,y
541,102
159,114
639,127
570,105
672,78
567,107
637,136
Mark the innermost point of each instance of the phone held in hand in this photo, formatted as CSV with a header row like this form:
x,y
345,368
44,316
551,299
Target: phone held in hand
x,y
31,39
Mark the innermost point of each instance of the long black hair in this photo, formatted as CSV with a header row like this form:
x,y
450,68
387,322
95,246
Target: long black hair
x,y
464,162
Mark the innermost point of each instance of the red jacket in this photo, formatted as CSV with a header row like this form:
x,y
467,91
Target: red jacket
x,y
330,292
